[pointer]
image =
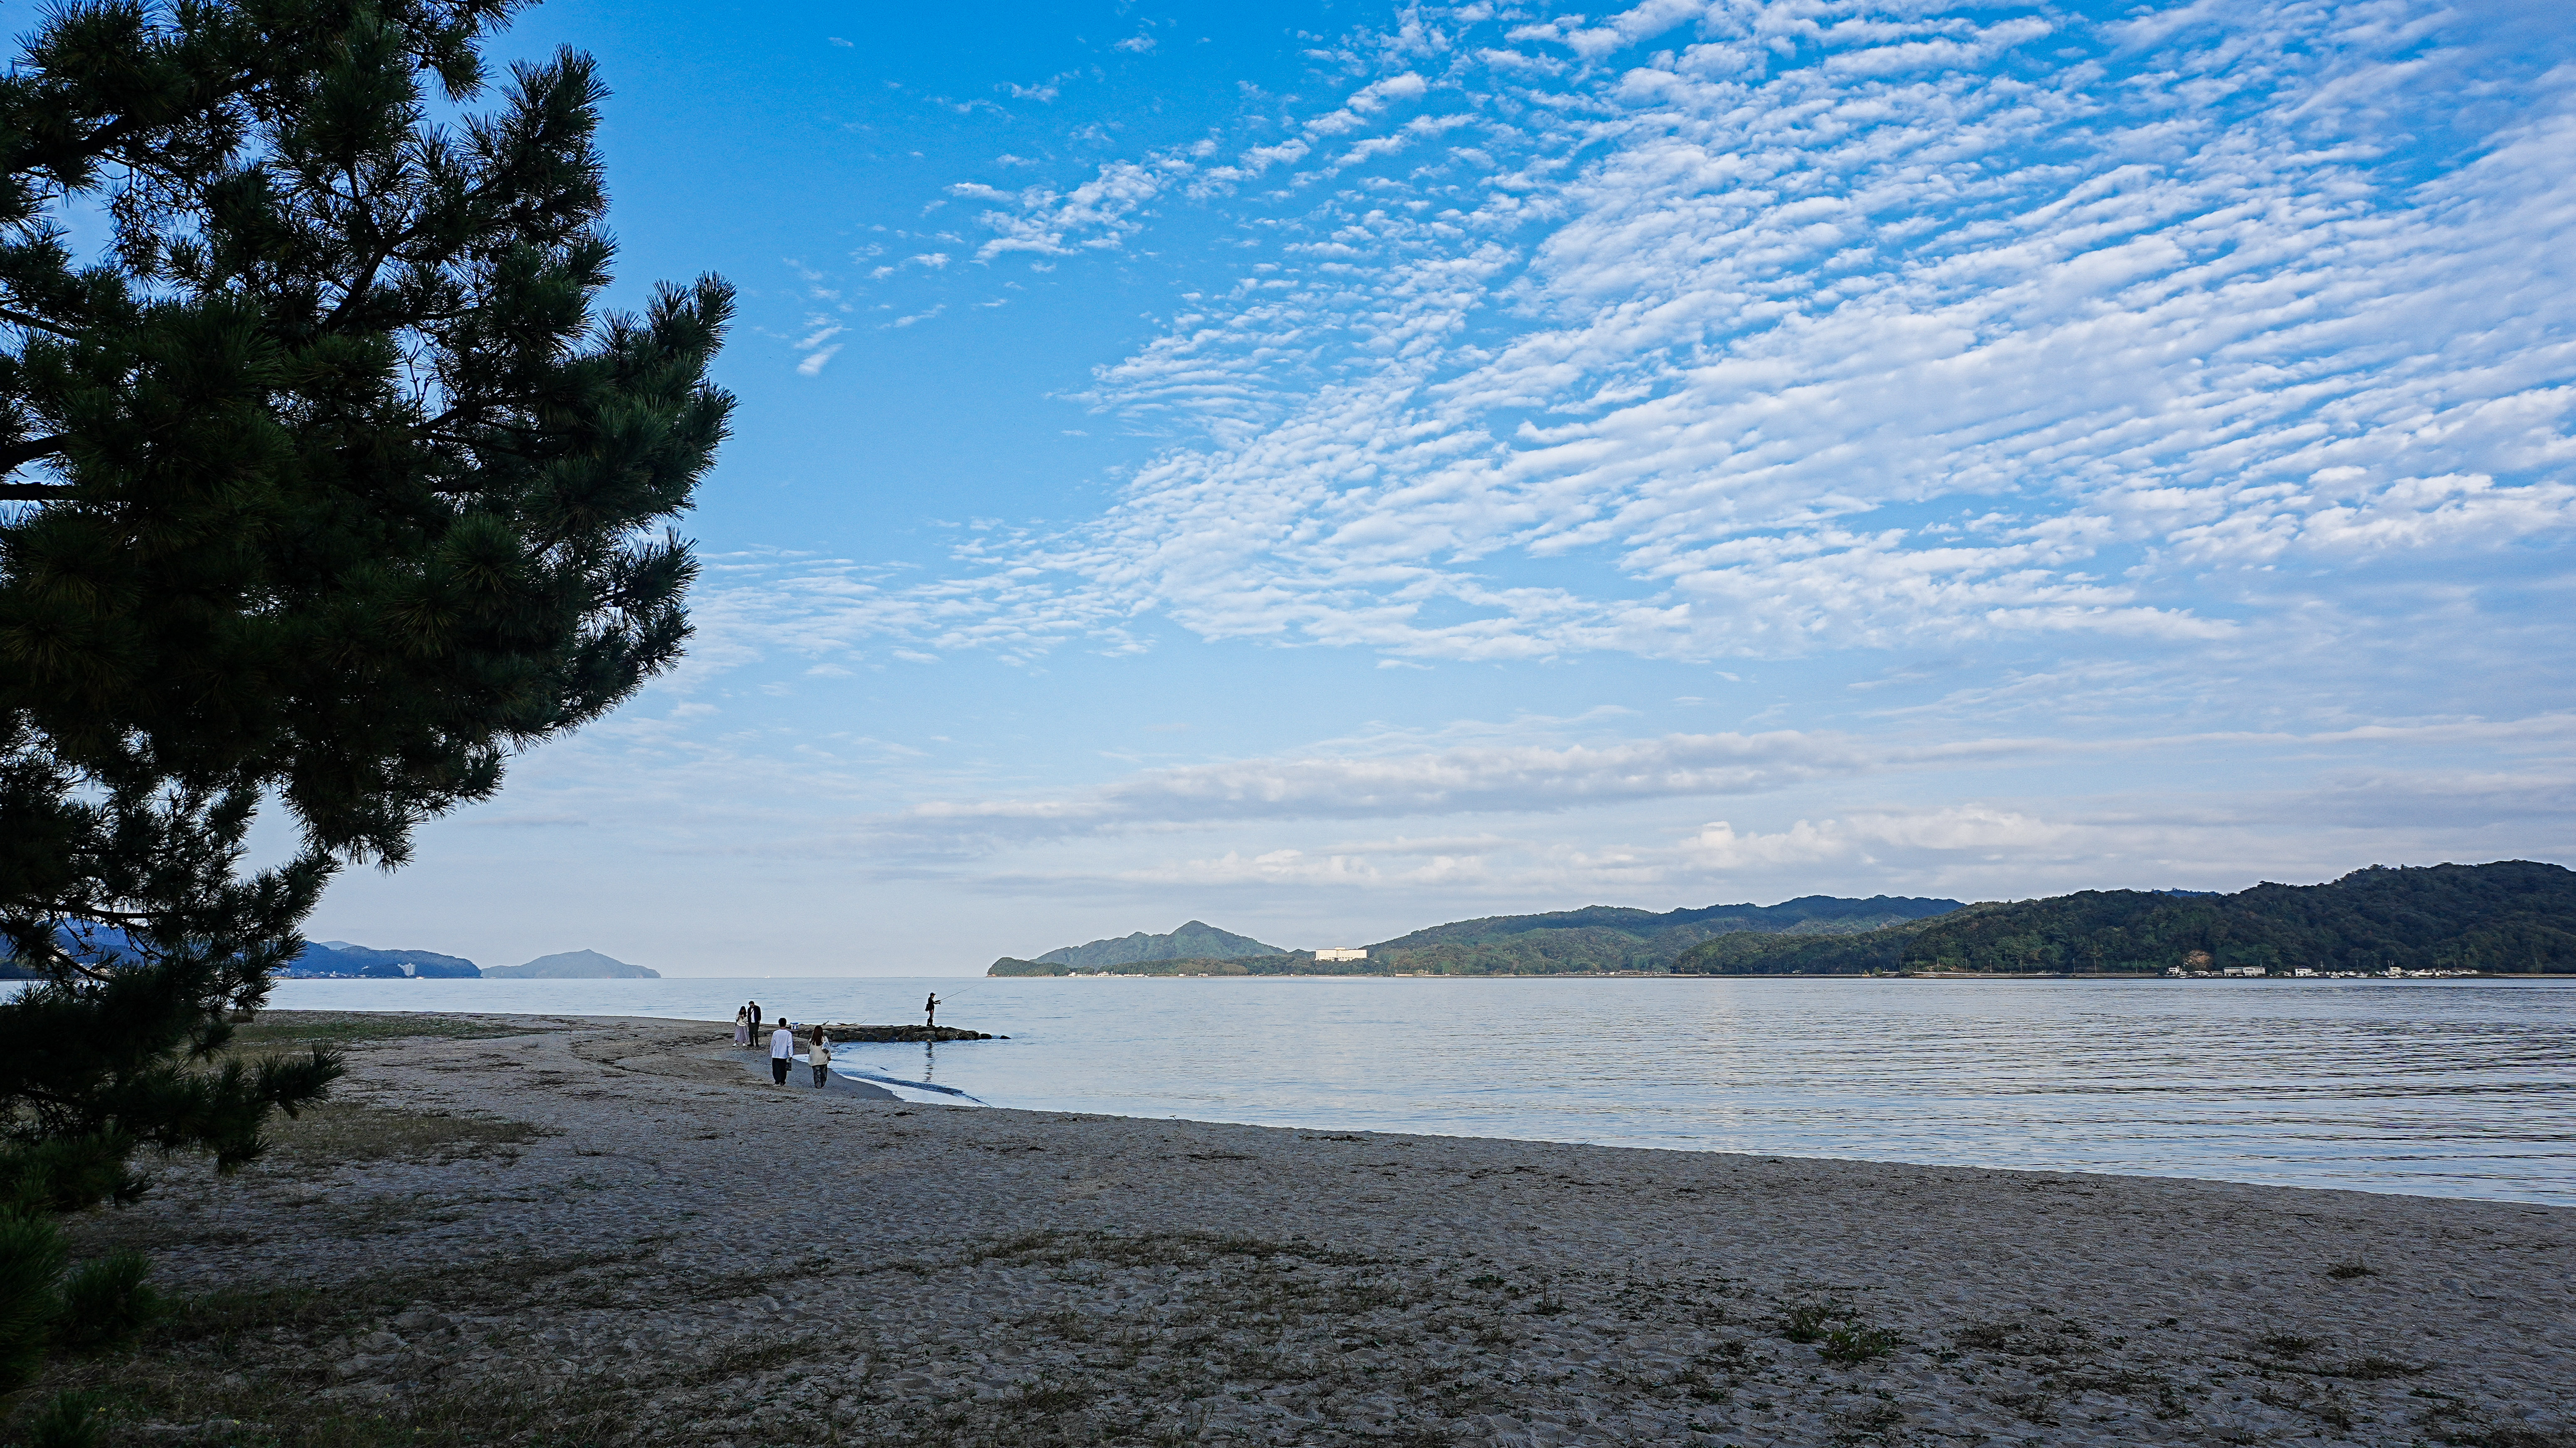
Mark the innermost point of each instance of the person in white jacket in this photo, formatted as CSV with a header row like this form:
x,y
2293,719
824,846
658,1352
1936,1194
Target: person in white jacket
x,y
782,1051
819,1056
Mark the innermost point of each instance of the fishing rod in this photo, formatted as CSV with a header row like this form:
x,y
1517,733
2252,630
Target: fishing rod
x,y
974,983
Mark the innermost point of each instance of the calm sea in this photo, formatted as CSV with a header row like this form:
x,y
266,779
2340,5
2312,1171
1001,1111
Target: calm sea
x,y
2444,1088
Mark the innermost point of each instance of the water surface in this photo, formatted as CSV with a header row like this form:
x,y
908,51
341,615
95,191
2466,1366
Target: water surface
x,y
2445,1088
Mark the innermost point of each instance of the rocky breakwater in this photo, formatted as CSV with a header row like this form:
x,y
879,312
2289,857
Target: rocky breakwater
x,y
841,1033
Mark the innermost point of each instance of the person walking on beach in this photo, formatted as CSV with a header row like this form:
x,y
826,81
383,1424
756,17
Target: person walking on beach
x,y
820,1055
930,1013
742,1025
782,1052
755,1018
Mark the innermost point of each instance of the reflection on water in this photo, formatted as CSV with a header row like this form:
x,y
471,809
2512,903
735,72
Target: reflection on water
x,y
2450,1088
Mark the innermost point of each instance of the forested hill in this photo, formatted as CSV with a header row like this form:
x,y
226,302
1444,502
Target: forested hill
x,y
1194,940
1562,942
339,957
2514,915
1607,937
1285,962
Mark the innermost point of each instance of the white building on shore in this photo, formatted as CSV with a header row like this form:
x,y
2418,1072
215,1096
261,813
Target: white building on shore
x,y
1339,953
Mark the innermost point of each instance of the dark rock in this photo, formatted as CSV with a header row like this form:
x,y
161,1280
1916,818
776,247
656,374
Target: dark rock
x,y
904,1033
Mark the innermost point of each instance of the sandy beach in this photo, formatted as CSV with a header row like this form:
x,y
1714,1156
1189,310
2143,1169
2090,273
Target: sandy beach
x,y
609,1231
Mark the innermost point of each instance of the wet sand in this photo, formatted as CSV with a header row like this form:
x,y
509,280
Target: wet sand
x,y
692,1255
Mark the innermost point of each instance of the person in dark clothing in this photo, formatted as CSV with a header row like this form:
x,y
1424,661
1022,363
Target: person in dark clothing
x,y
930,1012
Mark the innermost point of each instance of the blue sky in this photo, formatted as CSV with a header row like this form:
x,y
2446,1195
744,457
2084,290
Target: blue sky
x,y
1330,469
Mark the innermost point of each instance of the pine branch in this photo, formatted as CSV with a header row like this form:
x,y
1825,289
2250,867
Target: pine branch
x,y
18,455
17,318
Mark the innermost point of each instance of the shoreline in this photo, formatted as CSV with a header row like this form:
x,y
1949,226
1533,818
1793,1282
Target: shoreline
x,y
2211,978
756,1062
1889,1083
1936,975
631,1238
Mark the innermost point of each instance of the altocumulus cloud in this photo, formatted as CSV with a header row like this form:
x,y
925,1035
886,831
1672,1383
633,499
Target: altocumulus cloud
x,y
1462,779
1709,330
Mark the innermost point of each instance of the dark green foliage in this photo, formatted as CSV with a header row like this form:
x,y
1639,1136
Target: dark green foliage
x,y
71,1420
328,488
104,1304
1193,940
1604,937
107,1303
31,1266
1300,962
2511,916
1561,942
1882,949
99,1067
1849,1345
1806,1321
359,960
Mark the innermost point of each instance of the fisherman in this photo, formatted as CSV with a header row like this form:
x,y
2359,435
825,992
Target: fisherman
x,y
930,1013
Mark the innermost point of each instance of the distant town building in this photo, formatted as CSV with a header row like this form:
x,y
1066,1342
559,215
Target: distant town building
x,y
2245,970
1340,954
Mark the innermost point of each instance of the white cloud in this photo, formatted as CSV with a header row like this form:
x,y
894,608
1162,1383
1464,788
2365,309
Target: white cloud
x,y
818,346
1469,778
1099,213
1813,304
2134,454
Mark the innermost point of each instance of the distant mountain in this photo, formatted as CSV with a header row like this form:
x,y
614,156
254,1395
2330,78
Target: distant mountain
x,y
1564,942
97,944
1292,962
2513,915
1611,938
340,958
319,958
1194,940
573,965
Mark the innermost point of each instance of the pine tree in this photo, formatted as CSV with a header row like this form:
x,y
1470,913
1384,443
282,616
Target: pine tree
x,y
324,487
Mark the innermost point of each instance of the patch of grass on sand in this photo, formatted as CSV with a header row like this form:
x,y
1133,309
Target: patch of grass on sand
x,y
1805,1321
232,1311
336,1132
2367,1368
235,1411
1849,1345
275,1030
2455,1430
1054,1248
241,1368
